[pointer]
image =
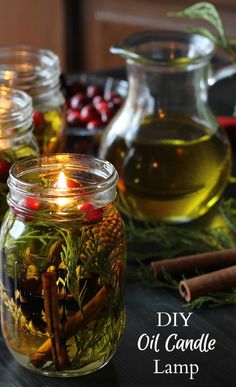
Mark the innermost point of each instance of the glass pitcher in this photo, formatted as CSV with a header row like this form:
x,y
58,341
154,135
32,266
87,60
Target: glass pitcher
x,y
172,157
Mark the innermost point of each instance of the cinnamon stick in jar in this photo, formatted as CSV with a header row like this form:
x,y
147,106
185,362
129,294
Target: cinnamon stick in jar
x,y
188,264
74,323
51,307
216,281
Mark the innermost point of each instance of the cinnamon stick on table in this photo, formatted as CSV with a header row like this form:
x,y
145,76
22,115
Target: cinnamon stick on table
x,y
215,281
78,321
51,307
185,265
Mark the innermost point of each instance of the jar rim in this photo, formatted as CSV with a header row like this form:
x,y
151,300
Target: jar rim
x,y
16,111
104,175
165,48
29,68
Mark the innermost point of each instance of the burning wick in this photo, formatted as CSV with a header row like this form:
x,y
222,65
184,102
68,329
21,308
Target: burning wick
x,y
61,183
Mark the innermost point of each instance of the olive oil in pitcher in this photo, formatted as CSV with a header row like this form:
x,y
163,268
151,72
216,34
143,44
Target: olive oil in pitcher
x,y
171,179
172,158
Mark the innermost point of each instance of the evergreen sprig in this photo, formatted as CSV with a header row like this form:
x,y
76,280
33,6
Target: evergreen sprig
x,y
207,12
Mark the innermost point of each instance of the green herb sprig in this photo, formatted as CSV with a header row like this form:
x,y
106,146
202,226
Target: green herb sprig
x,y
206,11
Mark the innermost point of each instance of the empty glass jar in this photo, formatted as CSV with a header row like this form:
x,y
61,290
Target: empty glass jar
x,y
172,158
37,72
16,138
62,265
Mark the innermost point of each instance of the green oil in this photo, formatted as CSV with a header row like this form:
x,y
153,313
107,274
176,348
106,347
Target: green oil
x,y
174,169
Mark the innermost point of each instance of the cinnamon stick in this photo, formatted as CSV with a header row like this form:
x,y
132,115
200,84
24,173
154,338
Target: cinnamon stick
x,y
78,321
215,281
188,264
51,307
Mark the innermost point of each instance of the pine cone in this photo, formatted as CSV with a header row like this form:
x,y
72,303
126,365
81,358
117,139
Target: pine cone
x,y
106,236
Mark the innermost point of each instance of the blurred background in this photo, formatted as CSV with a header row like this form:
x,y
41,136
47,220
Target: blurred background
x,y
81,31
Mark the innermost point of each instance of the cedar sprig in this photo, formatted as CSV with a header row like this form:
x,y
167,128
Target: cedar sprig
x,y
155,241
207,12
214,300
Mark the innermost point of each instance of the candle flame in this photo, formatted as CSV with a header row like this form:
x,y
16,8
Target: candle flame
x,y
61,183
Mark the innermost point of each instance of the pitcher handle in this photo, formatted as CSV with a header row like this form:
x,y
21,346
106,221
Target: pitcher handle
x,y
222,73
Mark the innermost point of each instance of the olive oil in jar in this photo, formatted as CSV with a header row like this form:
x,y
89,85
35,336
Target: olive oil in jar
x,y
174,170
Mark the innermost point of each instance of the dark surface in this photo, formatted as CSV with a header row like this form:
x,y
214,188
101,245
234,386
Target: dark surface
x,y
222,96
133,368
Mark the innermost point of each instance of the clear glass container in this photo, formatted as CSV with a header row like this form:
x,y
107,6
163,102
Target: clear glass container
x,y
172,158
37,72
63,263
16,138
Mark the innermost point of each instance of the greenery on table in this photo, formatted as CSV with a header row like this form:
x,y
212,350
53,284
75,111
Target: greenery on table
x,y
153,241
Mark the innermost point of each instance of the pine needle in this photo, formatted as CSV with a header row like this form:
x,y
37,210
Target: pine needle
x,y
214,299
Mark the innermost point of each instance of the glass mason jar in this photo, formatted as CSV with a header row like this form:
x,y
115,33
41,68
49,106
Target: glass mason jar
x,y
16,138
37,72
62,265
172,158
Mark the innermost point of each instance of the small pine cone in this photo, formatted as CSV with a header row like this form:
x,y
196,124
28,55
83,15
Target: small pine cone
x,y
117,252
104,236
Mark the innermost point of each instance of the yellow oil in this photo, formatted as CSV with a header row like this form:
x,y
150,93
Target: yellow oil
x,y
173,170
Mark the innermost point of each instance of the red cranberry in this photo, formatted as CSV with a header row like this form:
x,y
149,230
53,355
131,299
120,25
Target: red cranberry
x,y
93,214
38,119
73,118
78,101
94,124
72,183
88,113
97,99
92,91
106,116
31,204
102,106
4,170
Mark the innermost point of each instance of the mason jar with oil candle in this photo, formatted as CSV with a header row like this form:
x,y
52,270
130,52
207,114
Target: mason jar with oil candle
x,y
62,265
16,139
37,72
172,157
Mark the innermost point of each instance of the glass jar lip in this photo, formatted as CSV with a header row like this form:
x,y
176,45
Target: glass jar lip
x,y
28,68
165,48
16,111
62,162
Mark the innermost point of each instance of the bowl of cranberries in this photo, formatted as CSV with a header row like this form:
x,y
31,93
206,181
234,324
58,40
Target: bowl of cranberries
x,y
91,102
